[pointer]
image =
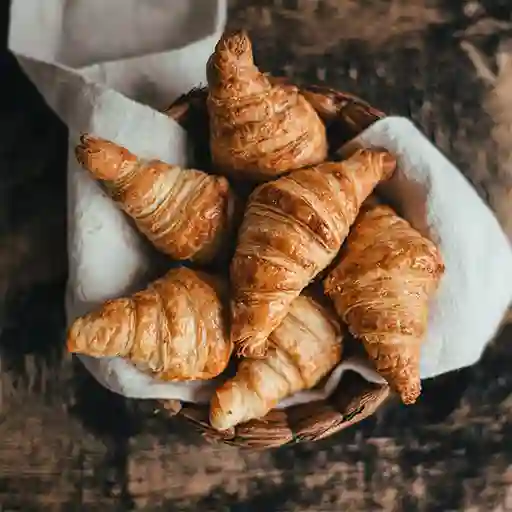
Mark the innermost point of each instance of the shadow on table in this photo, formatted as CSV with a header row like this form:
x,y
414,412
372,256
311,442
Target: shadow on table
x,y
33,266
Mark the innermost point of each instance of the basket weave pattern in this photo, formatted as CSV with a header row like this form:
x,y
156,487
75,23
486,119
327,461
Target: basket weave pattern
x,y
355,398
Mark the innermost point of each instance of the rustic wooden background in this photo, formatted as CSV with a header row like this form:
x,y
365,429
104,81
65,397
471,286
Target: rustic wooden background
x,y
66,444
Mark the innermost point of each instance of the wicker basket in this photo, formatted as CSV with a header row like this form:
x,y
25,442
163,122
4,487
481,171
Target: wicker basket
x,y
355,399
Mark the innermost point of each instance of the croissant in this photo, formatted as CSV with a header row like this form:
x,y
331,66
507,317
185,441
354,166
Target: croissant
x,y
185,213
258,129
304,348
174,329
381,288
292,229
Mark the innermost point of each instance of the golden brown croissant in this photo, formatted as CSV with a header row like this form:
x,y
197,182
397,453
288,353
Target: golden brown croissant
x,y
292,229
304,348
174,329
381,288
258,129
185,213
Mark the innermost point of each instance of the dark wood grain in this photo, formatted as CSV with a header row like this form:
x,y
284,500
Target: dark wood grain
x,y
67,444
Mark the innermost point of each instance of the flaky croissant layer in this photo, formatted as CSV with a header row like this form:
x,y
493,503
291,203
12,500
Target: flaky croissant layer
x,y
258,129
292,229
174,329
304,348
185,213
382,287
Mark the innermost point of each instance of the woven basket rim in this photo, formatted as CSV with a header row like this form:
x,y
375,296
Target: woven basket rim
x,y
355,399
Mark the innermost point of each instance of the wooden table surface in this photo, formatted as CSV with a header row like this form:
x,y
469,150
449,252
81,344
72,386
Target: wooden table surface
x,y
66,444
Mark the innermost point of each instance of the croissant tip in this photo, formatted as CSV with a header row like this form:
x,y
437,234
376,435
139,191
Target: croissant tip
x,y
411,395
235,34
236,42
81,153
86,141
71,345
220,419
